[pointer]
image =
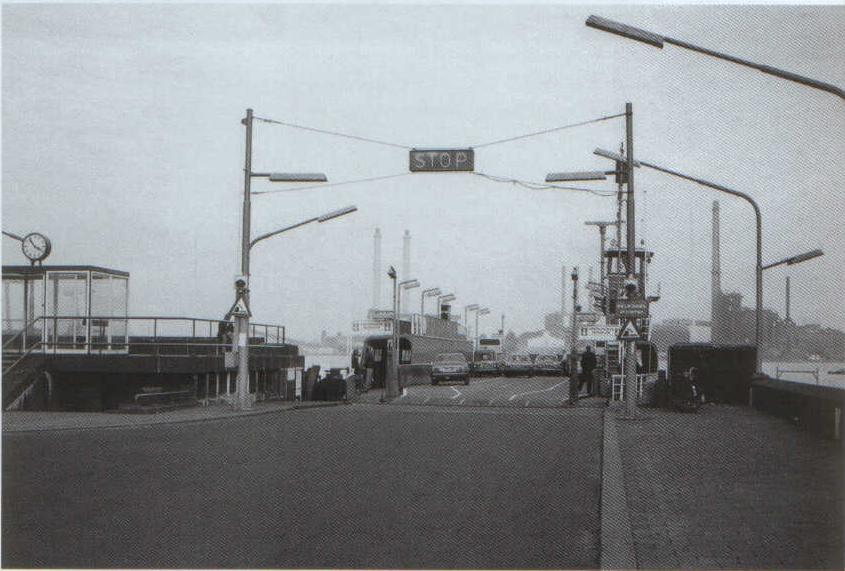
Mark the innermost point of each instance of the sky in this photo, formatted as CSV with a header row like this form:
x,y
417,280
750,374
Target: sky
x,y
122,142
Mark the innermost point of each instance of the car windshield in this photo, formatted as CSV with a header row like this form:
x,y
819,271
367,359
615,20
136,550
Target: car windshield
x,y
450,358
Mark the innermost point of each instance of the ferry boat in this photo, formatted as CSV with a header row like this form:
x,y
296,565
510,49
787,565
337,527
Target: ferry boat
x,y
600,328
421,339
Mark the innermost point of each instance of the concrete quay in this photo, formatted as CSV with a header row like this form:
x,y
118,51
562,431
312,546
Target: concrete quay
x,y
528,486
726,488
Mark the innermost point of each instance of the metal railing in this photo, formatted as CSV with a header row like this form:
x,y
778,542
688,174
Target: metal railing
x,y
96,334
812,372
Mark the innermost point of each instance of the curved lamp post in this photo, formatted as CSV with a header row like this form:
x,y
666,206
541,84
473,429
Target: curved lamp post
x,y
481,311
430,292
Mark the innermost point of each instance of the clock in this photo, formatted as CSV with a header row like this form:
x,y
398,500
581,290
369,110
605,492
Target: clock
x,y
36,246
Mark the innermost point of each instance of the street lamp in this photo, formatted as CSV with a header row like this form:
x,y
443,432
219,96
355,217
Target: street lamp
x,y
406,284
430,292
482,311
657,40
468,308
792,260
758,329
242,319
403,285
242,284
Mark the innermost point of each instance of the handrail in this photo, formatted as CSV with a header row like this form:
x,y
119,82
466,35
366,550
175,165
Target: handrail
x,y
21,358
25,328
812,372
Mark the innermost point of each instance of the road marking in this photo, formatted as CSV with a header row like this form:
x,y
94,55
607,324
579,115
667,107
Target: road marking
x,y
534,392
457,393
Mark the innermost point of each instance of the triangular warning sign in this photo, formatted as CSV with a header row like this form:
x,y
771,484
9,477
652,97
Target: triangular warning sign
x,y
629,332
239,309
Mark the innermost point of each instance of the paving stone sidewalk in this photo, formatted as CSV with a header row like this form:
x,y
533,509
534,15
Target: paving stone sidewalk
x,y
730,487
46,421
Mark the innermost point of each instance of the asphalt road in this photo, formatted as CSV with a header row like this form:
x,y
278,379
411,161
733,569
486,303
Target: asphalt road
x,y
492,391
362,486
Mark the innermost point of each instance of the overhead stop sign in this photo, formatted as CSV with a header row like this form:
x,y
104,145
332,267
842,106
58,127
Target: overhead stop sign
x,y
442,160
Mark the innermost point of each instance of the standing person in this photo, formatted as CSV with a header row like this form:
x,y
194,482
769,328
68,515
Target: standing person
x,y
588,364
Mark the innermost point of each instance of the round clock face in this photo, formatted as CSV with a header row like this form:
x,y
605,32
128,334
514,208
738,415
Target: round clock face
x,y
36,246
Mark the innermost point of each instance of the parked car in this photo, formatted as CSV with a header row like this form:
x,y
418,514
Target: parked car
x,y
519,364
549,365
485,363
332,387
450,367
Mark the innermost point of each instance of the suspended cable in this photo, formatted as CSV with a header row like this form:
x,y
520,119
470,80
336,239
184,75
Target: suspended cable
x,y
334,133
544,186
326,185
545,131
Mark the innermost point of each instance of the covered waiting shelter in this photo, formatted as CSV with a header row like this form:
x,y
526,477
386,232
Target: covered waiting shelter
x,y
65,308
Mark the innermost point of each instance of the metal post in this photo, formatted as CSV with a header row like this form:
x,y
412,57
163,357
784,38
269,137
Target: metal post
x,y
393,379
573,341
475,342
242,402
758,318
602,232
630,346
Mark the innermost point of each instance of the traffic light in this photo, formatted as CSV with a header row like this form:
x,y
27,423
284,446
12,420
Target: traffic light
x,y
445,310
631,287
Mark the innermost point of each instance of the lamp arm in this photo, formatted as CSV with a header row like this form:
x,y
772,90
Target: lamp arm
x,y
280,230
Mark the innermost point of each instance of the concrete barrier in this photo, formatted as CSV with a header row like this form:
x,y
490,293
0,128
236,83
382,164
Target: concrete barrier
x,y
816,408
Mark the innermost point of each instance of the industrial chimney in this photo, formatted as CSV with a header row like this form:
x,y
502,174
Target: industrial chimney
x,y
377,269
715,281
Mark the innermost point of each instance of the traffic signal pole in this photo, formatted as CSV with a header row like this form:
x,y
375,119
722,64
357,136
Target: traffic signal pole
x,y
630,270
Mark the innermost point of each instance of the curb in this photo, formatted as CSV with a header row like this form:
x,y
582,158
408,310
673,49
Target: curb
x,y
153,421
617,540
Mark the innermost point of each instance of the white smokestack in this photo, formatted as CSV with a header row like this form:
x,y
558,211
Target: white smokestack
x,y
377,269
406,256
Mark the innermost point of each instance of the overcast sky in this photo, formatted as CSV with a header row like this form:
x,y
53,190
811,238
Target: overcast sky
x,y
122,142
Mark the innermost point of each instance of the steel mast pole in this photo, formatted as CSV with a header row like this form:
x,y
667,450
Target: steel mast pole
x,y
242,393
630,270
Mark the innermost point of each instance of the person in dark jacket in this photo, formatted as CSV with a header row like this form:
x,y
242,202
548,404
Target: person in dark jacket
x,y
588,364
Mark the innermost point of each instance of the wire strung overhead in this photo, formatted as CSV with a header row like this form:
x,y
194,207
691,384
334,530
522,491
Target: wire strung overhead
x,y
401,146
552,130
544,186
328,184
334,133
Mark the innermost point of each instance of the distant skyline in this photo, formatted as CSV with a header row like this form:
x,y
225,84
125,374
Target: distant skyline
x,y
122,142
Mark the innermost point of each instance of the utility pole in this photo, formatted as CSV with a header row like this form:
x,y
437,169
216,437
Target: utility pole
x,y
242,321
630,270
